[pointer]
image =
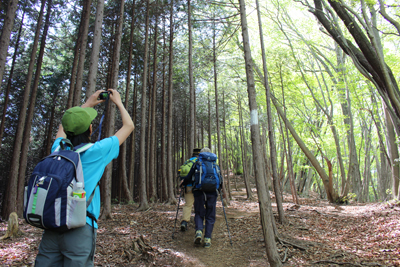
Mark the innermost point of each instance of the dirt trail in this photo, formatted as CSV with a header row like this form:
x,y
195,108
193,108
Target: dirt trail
x,y
221,253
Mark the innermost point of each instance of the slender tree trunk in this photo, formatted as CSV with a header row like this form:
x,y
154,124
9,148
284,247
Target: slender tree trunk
x,y
152,116
8,89
227,184
289,152
170,160
271,135
244,153
191,83
142,154
106,214
10,198
164,176
31,111
131,162
263,194
79,76
393,152
132,165
209,120
5,35
94,57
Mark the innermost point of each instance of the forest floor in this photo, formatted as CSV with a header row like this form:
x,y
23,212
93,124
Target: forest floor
x,y
317,234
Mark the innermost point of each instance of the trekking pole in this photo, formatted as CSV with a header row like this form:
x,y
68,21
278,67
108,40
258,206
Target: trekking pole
x,y
176,217
226,220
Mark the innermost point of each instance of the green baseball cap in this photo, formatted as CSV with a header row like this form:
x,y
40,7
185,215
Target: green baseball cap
x,y
77,120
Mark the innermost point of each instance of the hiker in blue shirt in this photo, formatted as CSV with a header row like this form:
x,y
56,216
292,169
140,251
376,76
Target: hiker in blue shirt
x,y
76,247
204,204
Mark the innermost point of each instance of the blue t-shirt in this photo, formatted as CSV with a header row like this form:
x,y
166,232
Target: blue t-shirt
x,y
94,161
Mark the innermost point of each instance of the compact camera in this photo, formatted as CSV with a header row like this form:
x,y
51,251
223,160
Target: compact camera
x,y
104,95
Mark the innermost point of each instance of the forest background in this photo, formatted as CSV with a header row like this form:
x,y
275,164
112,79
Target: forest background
x,y
325,117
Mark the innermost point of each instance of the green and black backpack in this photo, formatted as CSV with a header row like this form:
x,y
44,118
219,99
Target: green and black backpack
x,y
185,168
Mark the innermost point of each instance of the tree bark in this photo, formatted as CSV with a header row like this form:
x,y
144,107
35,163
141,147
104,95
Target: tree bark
x,y
163,161
131,162
170,159
8,89
5,35
94,56
153,144
191,83
271,134
263,194
142,153
82,54
106,214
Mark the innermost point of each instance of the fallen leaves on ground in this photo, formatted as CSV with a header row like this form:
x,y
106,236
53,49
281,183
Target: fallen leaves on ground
x,y
316,234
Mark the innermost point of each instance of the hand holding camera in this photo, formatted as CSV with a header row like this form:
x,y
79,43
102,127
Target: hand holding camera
x,y
104,95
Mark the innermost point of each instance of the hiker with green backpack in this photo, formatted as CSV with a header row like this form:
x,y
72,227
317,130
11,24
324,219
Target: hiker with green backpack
x,y
205,186
188,194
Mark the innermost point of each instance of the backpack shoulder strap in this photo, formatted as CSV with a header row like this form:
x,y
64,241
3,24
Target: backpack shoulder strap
x,y
84,147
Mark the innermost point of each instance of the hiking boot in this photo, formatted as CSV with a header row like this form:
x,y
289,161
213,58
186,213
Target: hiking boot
x,y
197,238
207,242
183,226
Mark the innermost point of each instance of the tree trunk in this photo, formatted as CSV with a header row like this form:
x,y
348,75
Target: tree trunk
x,y
170,160
79,76
191,84
142,154
263,194
8,89
106,214
163,161
271,135
10,198
152,116
393,152
8,24
289,150
244,153
209,120
94,57
131,162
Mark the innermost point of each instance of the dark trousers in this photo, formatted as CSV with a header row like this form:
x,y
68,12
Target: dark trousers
x,y
204,208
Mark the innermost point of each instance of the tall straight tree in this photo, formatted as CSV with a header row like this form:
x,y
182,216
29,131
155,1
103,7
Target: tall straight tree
x,y
74,97
191,83
163,160
31,109
8,89
10,198
94,56
144,204
123,147
134,96
153,144
82,53
106,214
5,35
170,159
271,134
263,194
